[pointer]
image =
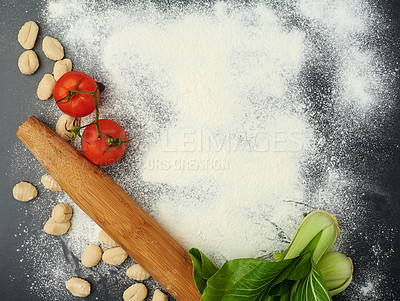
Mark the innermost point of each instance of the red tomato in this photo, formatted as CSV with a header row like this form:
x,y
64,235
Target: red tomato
x,y
80,104
99,151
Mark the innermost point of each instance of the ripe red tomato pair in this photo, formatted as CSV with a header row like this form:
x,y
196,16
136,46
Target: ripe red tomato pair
x,y
76,94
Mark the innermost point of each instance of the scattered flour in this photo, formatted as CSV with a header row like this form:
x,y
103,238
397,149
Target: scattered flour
x,y
244,118
367,289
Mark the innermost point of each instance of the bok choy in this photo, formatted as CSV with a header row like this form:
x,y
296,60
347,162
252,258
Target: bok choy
x,y
303,272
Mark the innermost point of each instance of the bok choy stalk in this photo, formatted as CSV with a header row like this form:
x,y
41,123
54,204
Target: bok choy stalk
x,y
317,233
294,276
336,271
315,236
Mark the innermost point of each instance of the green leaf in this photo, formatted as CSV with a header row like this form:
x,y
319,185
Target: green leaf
x,y
280,256
317,232
302,268
281,288
203,268
246,279
275,298
311,288
281,284
285,297
293,277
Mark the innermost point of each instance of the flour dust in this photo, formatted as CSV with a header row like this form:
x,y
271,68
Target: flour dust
x,y
243,118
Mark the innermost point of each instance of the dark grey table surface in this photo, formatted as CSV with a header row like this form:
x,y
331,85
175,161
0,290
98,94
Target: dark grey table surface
x,y
18,102
16,107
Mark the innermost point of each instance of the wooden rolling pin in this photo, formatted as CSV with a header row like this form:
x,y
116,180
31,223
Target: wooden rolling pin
x,y
113,210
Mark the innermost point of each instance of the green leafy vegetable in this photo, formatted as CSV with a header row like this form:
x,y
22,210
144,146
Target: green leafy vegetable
x,y
203,268
317,233
337,271
246,279
311,288
294,276
285,297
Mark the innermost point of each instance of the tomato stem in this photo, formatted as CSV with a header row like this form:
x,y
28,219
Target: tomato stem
x,y
76,129
96,105
72,93
113,142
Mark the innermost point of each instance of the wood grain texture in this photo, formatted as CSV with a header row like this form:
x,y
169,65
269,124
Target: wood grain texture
x,y
113,210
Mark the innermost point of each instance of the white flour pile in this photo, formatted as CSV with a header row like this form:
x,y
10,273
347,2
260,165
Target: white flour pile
x,y
240,116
